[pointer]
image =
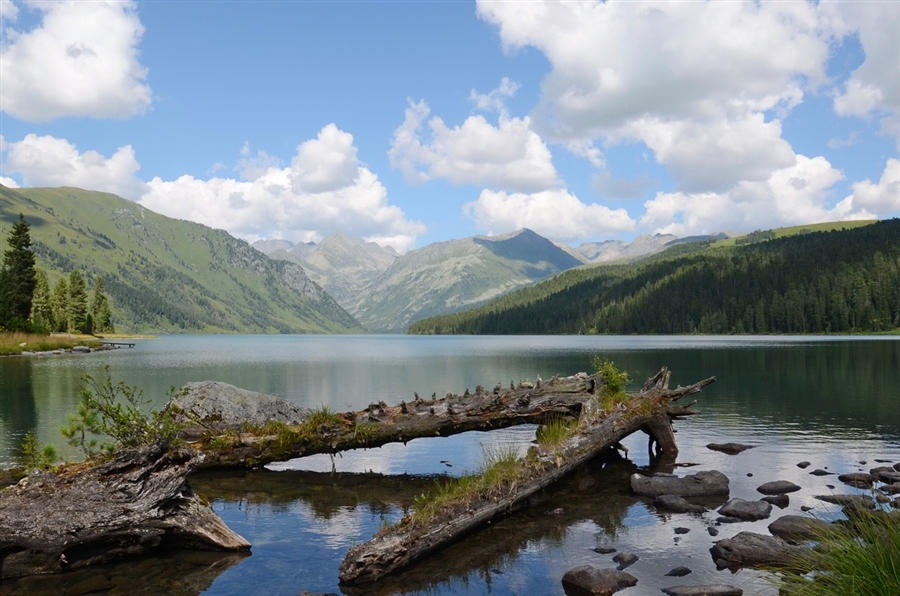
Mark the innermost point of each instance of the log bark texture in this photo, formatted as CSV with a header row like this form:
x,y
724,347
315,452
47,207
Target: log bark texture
x,y
127,506
380,424
394,548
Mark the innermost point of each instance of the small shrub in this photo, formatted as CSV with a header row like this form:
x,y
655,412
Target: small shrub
x,y
614,381
35,455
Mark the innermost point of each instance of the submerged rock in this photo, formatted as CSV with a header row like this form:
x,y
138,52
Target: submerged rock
x,y
677,504
729,448
588,580
679,572
780,501
711,482
625,560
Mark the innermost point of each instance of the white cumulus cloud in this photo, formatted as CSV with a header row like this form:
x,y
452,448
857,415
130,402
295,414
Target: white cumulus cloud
x,y
323,190
49,161
700,83
794,195
555,214
509,156
82,60
881,198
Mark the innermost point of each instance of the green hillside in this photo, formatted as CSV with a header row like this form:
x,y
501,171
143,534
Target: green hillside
x,y
167,275
454,275
802,281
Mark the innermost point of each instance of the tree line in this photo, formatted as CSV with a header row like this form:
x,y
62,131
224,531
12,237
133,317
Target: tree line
x,y
27,302
821,282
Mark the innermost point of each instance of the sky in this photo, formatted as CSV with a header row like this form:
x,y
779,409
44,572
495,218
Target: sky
x,y
412,122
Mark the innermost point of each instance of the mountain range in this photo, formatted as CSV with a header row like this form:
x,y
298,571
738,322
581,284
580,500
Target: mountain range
x,y
168,275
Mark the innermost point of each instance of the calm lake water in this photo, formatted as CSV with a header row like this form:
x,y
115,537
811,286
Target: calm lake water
x,y
831,401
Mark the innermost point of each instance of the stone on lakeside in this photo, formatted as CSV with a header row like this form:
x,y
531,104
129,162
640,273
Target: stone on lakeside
x,y
590,581
710,482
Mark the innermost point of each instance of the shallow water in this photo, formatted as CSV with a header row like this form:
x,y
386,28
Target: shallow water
x,y
831,401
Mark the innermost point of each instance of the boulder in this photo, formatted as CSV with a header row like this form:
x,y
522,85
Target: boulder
x,y
746,510
729,448
588,580
676,504
712,590
215,406
710,482
748,549
778,487
798,527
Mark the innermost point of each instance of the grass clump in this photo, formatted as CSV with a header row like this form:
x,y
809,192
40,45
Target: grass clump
x,y
500,473
861,558
554,433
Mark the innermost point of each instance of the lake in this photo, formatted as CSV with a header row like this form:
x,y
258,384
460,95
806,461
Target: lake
x,y
833,401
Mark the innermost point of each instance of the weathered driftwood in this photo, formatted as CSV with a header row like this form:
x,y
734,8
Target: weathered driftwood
x,y
396,547
127,506
379,424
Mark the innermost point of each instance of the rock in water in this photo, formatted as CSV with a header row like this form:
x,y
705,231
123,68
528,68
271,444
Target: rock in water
x,y
748,549
746,510
625,560
219,406
798,527
778,487
712,482
729,448
676,504
124,507
596,582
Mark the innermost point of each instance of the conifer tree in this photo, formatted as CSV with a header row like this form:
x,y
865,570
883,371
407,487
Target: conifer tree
x,y
41,303
60,304
77,307
18,277
100,312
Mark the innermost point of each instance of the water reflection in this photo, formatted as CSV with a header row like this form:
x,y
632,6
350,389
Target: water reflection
x,y
18,411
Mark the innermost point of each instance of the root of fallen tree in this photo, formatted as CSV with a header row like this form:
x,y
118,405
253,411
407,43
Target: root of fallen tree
x,y
419,534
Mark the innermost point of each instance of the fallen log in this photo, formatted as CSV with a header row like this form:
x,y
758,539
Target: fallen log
x,y
136,502
417,536
234,443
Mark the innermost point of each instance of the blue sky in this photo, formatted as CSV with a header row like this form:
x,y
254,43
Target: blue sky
x,y
413,122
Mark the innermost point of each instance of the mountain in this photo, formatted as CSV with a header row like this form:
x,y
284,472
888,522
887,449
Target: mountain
x,y
168,275
342,265
450,276
823,278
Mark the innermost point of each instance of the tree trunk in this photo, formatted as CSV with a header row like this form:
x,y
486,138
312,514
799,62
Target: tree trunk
x,y
127,506
394,548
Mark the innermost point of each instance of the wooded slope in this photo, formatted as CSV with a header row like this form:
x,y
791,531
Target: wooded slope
x,y
817,282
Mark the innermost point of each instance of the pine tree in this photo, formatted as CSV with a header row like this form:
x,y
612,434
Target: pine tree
x,y
41,303
100,312
18,277
77,305
60,304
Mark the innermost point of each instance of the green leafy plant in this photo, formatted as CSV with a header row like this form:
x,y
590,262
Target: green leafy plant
x,y
35,455
115,411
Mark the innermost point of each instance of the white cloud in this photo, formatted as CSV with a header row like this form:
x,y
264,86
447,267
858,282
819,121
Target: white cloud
x,y
874,85
8,182
882,198
795,195
692,80
48,161
495,101
8,11
509,156
324,189
555,214
82,60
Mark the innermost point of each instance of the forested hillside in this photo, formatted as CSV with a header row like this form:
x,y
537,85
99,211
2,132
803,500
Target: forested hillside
x,y
820,282
165,275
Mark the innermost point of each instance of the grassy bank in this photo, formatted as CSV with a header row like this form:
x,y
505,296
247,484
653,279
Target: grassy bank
x,y
17,342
